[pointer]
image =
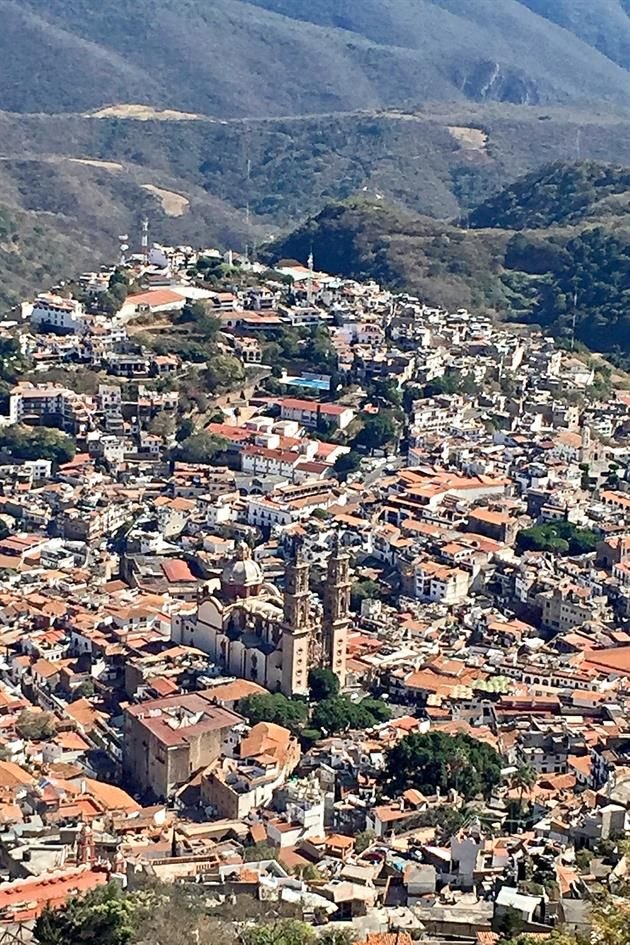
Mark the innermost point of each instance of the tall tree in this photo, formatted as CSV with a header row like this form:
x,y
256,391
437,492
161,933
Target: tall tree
x,y
438,761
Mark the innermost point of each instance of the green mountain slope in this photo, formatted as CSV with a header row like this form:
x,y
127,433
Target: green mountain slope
x,y
438,161
556,194
439,262
66,216
232,57
555,274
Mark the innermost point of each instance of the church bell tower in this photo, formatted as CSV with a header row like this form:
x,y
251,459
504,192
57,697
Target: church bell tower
x,y
296,630
297,592
337,612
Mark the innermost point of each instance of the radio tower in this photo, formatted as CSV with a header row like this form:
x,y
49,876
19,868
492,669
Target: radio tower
x,y
124,246
311,267
145,241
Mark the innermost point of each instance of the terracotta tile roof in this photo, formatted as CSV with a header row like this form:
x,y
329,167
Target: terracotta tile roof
x,y
312,406
12,775
258,833
157,297
83,712
388,938
339,841
45,668
233,691
177,571
268,739
25,899
111,797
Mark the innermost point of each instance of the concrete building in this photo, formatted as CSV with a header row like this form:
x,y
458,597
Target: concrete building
x,y
52,312
309,413
167,740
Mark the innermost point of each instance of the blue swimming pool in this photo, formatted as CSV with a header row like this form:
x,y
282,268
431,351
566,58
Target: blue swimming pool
x,y
307,382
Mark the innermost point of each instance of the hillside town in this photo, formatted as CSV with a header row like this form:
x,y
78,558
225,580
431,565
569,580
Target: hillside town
x,y
311,595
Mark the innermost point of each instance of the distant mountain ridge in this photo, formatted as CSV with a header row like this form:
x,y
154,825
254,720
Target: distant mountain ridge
x,y
97,177
234,58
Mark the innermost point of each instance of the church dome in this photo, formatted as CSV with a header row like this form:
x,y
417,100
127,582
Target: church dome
x,y
243,576
244,573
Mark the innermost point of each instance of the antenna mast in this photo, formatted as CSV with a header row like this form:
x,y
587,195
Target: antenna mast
x,y
123,246
145,241
311,267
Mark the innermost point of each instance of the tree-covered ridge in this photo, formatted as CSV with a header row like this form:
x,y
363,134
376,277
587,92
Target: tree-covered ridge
x,y
592,287
439,262
558,194
176,915
560,276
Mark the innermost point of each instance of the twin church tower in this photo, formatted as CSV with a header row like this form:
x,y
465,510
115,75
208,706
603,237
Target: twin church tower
x,y
253,631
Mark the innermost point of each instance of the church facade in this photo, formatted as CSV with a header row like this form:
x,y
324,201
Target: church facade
x,y
253,631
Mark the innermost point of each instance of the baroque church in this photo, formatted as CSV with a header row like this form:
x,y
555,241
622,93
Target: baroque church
x,y
254,631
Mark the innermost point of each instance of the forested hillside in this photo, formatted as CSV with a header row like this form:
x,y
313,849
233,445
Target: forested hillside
x,y
231,57
556,194
97,177
439,262
227,122
561,259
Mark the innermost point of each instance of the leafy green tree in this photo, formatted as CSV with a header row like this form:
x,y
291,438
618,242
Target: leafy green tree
x,y
346,464
109,302
523,779
563,538
380,711
263,707
322,514
558,192
451,382
364,590
28,443
224,373
206,324
509,924
377,432
200,448
192,312
323,684
162,425
85,690
119,277
319,350
281,932
388,391
436,760
334,715
259,852
341,714
185,429
291,343
103,917
363,840
335,936
412,393
35,726
118,291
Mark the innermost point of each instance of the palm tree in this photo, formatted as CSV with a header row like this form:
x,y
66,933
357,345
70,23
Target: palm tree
x,y
524,778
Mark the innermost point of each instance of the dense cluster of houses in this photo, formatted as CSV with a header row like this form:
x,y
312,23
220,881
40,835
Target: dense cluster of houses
x,y
143,598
